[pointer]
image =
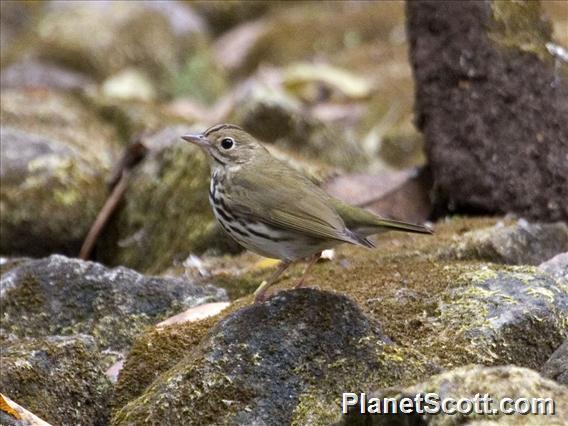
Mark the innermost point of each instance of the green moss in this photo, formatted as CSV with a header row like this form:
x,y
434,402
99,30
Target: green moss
x,y
522,25
154,353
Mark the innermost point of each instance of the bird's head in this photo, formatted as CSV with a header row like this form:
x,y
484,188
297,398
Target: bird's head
x,y
227,145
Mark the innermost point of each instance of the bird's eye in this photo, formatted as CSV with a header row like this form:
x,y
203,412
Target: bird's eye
x,y
227,143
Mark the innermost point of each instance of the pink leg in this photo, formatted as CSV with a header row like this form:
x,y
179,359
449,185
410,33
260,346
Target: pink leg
x,y
313,259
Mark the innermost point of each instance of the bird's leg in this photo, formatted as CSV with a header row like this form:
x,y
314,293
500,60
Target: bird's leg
x,y
312,260
260,292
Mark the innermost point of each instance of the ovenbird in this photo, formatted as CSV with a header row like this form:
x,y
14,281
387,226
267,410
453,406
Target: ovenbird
x,y
275,211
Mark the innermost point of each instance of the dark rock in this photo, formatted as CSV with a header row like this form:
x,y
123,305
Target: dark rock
x,y
556,368
517,316
492,103
55,156
467,382
57,378
58,295
34,73
557,267
520,244
268,363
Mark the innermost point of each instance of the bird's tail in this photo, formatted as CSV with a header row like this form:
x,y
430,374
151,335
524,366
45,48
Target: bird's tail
x,y
365,223
395,225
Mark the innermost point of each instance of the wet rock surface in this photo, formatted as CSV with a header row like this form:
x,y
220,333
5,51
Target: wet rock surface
x,y
484,76
466,382
58,295
58,378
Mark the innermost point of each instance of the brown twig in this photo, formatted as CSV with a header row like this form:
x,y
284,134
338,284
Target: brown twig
x,y
119,183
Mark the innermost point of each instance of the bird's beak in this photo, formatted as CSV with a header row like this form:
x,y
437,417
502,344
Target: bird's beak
x,y
198,140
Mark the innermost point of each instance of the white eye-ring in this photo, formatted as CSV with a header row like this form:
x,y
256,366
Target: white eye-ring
x,y
227,143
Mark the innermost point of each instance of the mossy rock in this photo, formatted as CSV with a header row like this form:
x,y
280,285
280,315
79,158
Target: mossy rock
x,y
467,382
260,363
154,353
199,77
58,378
56,154
58,295
498,312
134,119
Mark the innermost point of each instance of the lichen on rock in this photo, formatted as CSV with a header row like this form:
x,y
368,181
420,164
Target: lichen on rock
x,y
498,311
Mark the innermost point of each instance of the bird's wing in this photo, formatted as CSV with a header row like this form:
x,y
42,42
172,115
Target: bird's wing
x,y
287,200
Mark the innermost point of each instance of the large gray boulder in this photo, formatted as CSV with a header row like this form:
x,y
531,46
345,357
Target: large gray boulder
x,y
58,295
520,243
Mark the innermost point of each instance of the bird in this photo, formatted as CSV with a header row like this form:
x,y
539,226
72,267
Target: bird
x,y
275,211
